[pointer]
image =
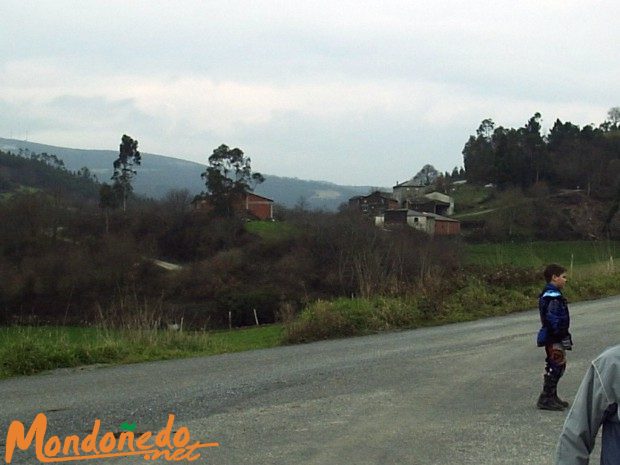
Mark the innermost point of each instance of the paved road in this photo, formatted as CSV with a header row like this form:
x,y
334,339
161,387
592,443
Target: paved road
x,y
458,394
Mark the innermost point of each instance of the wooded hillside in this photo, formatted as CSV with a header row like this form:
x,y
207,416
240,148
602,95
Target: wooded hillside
x,y
568,157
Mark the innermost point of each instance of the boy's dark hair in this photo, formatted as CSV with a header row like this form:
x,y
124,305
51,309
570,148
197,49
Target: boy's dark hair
x,y
553,270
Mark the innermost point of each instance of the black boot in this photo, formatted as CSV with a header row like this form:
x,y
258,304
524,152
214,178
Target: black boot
x,y
554,385
547,399
563,403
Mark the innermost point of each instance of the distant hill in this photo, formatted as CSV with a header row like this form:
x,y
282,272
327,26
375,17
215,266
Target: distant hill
x,y
46,174
159,174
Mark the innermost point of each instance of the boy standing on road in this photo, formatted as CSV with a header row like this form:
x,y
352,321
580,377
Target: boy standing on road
x,y
553,336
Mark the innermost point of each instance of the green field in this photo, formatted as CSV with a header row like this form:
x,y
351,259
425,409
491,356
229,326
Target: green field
x,y
537,254
271,230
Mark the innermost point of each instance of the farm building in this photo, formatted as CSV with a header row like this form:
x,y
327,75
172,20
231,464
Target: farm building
x,y
412,196
249,205
258,206
373,204
433,202
407,190
430,223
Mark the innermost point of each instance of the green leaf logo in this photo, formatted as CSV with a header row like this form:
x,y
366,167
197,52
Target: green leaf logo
x,y
128,426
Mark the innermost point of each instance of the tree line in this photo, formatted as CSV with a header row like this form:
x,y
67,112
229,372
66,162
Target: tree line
x,y
568,156
29,170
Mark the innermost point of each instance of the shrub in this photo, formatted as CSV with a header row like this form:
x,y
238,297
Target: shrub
x,y
241,305
507,275
349,317
593,285
478,299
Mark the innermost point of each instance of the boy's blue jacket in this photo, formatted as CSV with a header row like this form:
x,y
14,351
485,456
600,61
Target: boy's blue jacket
x,y
554,316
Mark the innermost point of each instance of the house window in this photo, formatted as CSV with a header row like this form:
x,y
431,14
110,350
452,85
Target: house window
x,y
415,220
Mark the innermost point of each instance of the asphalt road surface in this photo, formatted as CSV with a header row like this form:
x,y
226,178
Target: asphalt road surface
x,y
458,394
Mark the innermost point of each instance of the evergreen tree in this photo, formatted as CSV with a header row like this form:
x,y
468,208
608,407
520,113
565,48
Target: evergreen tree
x,y
124,172
228,176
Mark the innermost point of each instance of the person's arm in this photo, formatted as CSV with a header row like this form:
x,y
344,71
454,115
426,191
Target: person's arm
x,y
583,421
557,318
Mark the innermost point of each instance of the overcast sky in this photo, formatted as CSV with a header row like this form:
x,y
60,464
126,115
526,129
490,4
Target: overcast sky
x,y
353,92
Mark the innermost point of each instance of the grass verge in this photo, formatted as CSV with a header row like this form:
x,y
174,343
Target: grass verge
x,y
473,298
26,350
494,290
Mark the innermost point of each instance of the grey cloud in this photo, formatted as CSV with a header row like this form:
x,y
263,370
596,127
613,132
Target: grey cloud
x,y
374,151
510,56
101,105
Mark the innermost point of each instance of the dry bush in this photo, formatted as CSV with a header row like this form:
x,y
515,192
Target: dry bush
x,y
205,279
130,312
365,260
508,275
